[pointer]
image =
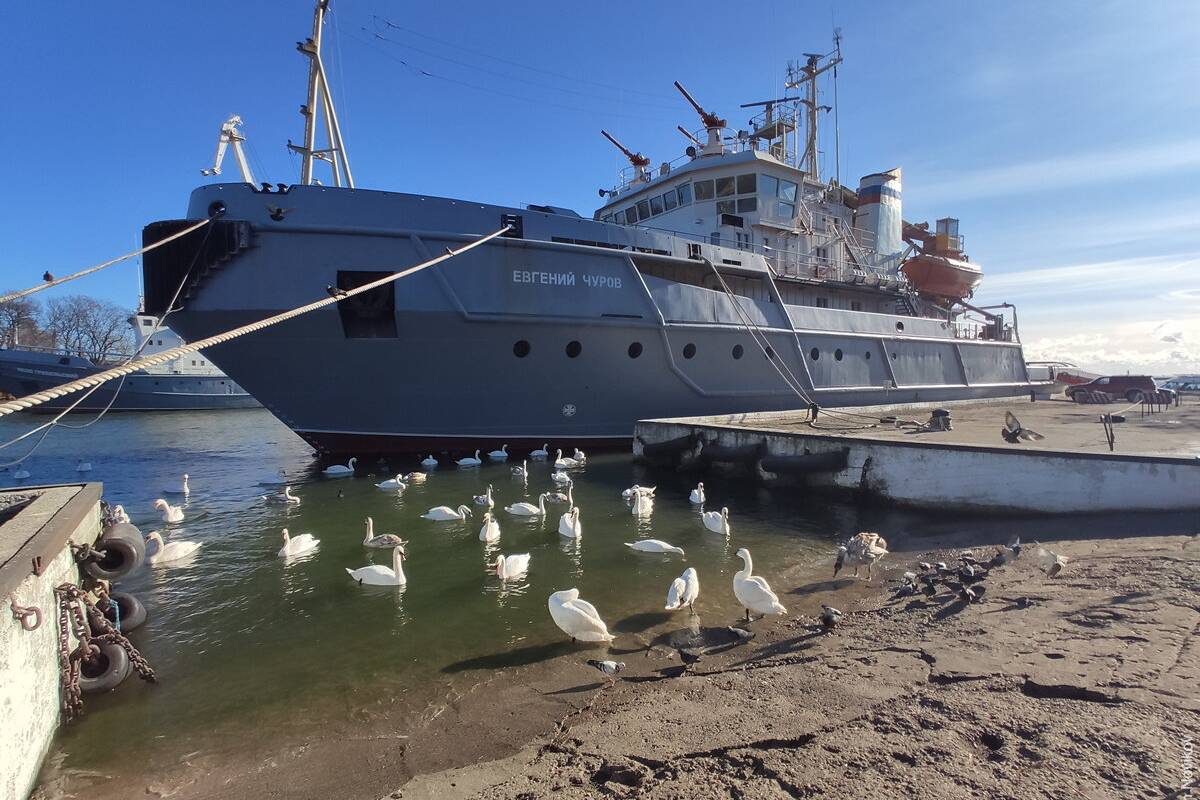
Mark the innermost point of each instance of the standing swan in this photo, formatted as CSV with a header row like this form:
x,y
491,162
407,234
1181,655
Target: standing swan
x,y
717,521
643,505
490,532
445,513
469,461
697,495
383,539
577,618
377,575
168,552
514,566
524,509
499,455
395,484
181,489
684,591
285,498
303,543
170,514
863,548
569,524
540,454
485,499
653,546
753,592
340,470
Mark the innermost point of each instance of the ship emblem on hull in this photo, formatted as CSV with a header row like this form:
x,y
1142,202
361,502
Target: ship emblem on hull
x,y
569,410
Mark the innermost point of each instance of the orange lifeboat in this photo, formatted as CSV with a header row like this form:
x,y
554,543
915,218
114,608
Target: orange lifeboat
x,y
940,269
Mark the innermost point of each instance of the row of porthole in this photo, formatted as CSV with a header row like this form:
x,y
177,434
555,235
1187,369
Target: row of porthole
x,y
522,348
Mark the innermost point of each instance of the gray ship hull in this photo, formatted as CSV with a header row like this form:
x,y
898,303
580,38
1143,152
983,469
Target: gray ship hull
x,y
568,335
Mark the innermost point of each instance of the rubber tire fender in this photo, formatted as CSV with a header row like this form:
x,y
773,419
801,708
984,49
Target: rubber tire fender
x,y
106,670
133,613
123,550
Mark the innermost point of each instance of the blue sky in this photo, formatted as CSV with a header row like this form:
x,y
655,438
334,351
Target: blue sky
x,y
1065,135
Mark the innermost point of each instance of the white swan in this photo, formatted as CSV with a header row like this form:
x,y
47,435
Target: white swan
x,y
635,490
181,489
168,552
717,521
278,479
521,471
560,478
395,484
119,514
564,463
580,457
697,495
170,514
514,566
753,592
83,466
542,453
470,461
378,575
429,461
340,470
490,532
569,524
304,543
643,505
524,509
653,546
684,590
382,540
577,618
499,455
485,499
415,477
559,497
285,498
445,513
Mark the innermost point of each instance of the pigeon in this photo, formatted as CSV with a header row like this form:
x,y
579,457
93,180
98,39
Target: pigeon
x,y
276,213
908,585
998,560
609,668
334,291
971,574
47,277
941,568
925,566
1050,562
830,617
928,587
970,594
1013,432
740,634
1015,547
690,655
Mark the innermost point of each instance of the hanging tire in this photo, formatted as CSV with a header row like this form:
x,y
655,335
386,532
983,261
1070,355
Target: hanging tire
x,y
121,549
105,670
129,611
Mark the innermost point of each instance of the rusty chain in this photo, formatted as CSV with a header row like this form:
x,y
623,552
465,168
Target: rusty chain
x,y
68,665
24,614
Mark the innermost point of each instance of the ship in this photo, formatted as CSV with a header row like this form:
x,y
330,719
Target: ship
x,y
188,383
733,278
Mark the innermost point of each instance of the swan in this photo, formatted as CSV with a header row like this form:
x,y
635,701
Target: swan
x,y
523,509
653,546
429,461
21,474
559,497
304,543
283,498
383,539
170,514
636,490
445,513
564,463
83,466
717,521
514,566
643,505
697,495
569,524
561,478
684,590
521,471
168,552
378,575
278,479
753,592
544,452
863,548
580,457
392,484
469,461
490,532
577,618
120,515
340,470
181,489
415,477
485,499
499,455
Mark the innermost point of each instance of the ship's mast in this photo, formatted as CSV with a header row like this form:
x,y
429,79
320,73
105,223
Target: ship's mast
x,y
320,100
806,76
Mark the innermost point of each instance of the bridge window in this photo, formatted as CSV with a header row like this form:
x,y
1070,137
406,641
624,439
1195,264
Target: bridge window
x,y
607,218
670,200
747,204
704,190
619,217
726,186
769,185
643,207
631,215
746,184
822,302
685,194
656,205
856,305
787,191
726,207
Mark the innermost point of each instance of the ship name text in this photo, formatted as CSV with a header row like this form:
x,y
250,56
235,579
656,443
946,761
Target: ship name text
x,y
564,279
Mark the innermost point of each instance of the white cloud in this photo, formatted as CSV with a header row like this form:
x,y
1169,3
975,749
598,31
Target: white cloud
x,y
1118,348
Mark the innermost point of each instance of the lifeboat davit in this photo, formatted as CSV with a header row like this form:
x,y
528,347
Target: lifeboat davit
x,y
941,276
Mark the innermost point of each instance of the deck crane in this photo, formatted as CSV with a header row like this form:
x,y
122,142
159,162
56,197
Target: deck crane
x,y
691,139
712,123
230,135
639,161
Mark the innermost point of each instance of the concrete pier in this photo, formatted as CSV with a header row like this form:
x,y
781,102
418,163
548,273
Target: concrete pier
x,y
1154,463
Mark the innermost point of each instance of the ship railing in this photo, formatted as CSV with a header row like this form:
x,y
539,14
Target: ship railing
x,y
95,358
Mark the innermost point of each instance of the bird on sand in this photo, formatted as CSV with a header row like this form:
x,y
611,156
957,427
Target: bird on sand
x,y
1050,562
752,591
830,617
970,594
1013,432
577,618
863,548
334,291
740,634
684,591
606,666
690,655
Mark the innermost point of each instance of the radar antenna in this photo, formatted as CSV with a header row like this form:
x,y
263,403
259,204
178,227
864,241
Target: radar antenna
x,y
230,135
639,161
320,100
712,123
807,76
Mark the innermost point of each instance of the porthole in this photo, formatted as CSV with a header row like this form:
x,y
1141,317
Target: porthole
x,y
738,350
521,349
900,326
814,354
689,350
894,356
635,349
216,208
837,354
867,355
769,352
574,349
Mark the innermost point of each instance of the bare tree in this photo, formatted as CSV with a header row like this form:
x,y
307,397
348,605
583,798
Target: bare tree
x,y
88,327
18,321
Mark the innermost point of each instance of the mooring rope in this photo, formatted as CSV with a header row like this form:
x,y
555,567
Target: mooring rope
x,y
38,398
76,275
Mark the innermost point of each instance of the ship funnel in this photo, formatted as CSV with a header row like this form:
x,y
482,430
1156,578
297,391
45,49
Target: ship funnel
x,y
879,211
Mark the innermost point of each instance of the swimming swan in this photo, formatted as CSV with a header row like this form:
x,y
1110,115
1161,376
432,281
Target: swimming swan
x,y
559,497
753,592
485,499
168,552
684,590
415,477
564,463
469,461
514,566
303,543
377,575
499,455
636,490
284,498
560,478
577,618
580,457
543,453
569,524
181,489
643,505
654,546
445,513
170,514
392,484
521,471
340,470
697,495
524,509
382,540
717,521
429,461
119,514
490,532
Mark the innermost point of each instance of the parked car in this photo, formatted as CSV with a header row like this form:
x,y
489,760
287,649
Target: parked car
x,y
1132,387
1187,385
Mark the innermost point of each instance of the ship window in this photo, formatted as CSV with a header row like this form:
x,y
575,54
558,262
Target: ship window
x,y
704,190
856,305
635,349
631,215
747,204
689,350
769,352
574,349
643,208
714,237
146,323
769,185
656,205
822,302
607,218
726,207
814,354
823,254
745,184
725,186
372,314
619,217
738,350
785,210
685,194
670,200
787,191
521,349
900,326
837,354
